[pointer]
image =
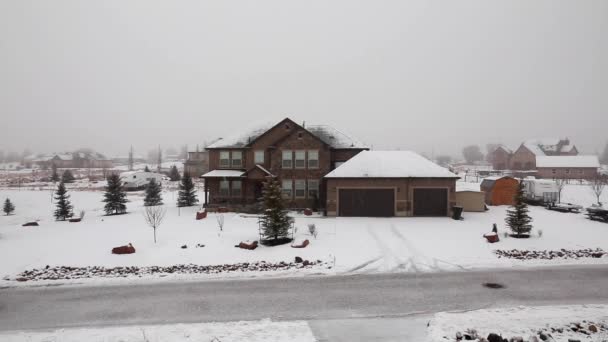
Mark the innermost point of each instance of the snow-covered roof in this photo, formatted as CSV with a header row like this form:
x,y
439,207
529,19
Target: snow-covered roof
x,y
466,186
224,174
540,147
328,134
567,161
389,164
334,137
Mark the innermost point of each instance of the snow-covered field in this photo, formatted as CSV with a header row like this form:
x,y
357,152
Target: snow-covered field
x,y
345,244
252,331
524,322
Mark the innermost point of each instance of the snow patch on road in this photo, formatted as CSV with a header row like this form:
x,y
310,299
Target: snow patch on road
x,y
252,331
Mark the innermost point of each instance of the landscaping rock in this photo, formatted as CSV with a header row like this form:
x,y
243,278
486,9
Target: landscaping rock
x,y
30,224
550,255
298,260
184,246
592,328
249,246
494,338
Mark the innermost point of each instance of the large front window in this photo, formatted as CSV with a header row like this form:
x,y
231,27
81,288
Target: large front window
x,y
287,159
313,188
236,188
300,159
224,159
224,188
237,158
300,185
286,187
313,159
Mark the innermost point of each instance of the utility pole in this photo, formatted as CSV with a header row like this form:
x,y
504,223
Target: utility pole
x,y
160,158
131,159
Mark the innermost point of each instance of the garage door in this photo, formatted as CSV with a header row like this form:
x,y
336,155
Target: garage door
x,y
430,202
366,202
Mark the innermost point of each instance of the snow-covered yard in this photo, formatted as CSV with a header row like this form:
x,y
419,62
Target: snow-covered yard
x,y
343,244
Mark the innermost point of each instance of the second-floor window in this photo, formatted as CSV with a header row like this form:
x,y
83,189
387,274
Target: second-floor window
x,y
224,159
300,159
313,159
287,159
224,188
258,156
237,158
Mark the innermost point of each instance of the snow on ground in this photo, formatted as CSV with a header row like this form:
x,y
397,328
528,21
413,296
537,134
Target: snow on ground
x,y
521,321
252,331
346,244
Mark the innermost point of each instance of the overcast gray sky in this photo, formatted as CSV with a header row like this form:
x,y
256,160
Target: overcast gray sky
x,y
419,75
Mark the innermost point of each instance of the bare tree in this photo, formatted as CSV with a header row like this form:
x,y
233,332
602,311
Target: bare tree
x,y
220,221
154,216
560,183
597,185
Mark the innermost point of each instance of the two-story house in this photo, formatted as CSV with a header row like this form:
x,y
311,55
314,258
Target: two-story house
x,y
299,156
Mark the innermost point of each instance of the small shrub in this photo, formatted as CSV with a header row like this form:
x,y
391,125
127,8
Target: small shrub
x,y
312,229
220,221
540,233
505,234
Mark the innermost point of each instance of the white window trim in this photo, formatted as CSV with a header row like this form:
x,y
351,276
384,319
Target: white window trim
x,y
232,159
308,159
283,160
228,159
303,189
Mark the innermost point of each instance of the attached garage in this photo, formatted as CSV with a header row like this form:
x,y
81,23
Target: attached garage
x,y
389,183
366,202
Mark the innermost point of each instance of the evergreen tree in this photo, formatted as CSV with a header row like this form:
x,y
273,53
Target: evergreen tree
x,y
55,175
64,207
275,222
517,215
187,193
67,177
153,194
174,174
147,169
8,207
115,196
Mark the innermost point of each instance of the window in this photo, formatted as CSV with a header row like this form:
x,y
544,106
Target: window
x,y
313,188
287,188
224,159
287,159
300,185
258,156
237,158
313,159
236,188
300,159
224,188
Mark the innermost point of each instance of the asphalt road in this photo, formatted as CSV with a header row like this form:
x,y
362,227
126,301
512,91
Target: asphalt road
x,y
318,299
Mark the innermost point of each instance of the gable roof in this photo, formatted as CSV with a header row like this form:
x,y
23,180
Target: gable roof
x,y
540,147
327,134
389,164
567,161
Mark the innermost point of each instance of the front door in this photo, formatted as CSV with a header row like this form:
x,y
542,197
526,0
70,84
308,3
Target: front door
x,y
257,190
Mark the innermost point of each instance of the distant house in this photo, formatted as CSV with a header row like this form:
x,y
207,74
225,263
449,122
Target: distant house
x,y
197,163
297,155
572,167
74,160
390,183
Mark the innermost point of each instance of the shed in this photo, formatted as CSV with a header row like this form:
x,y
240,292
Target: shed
x,y
469,197
499,190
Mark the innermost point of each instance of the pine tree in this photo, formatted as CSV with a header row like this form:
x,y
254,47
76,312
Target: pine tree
x,y
174,174
153,194
115,196
147,169
275,222
67,177
8,207
64,207
187,193
517,215
55,175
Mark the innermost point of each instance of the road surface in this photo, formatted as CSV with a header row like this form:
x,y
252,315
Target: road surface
x,y
343,300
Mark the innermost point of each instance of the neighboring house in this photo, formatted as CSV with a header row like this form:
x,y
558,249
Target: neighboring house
x,y
297,155
390,183
197,163
499,190
501,159
138,180
572,167
75,160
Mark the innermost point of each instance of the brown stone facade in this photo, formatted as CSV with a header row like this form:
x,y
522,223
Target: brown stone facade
x,y
285,137
403,188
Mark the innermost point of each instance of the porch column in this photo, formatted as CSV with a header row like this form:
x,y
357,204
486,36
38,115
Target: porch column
x,y
205,191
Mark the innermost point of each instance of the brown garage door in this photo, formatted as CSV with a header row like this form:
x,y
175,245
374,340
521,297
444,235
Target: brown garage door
x,y
430,202
366,202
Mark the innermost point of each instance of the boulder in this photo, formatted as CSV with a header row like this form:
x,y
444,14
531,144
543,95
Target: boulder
x,y
592,328
492,337
184,246
128,249
298,260
201,215
30,224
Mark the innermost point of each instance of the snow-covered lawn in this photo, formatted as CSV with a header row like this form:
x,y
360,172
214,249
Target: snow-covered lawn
x,y
345,244
525,322
253,331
